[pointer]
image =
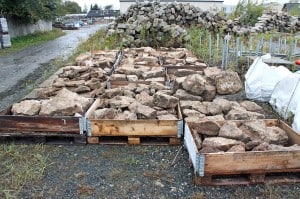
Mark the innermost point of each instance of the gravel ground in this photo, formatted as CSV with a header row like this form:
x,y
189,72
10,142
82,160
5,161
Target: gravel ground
x,y
111,171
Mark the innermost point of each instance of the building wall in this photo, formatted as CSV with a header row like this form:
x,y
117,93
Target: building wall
x,y
18,29
203,5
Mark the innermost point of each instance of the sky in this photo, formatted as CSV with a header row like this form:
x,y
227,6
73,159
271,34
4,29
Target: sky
x,y
116,3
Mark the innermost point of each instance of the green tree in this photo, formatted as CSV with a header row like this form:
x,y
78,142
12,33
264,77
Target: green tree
x,y
95,7
72,7
108,7
29,11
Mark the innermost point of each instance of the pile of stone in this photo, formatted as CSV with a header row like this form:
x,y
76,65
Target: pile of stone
x,y
212,137
280,22
64,103
86,78
155,24
138,101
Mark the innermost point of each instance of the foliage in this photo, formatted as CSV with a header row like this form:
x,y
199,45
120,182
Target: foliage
x,y
29,11
19,43
248,11
68,7
95,7
108,7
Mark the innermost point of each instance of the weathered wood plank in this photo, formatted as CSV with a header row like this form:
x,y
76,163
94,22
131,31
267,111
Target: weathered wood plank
x,y
38,124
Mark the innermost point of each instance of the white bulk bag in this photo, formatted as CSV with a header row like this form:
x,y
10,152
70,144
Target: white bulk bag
x,y
296,122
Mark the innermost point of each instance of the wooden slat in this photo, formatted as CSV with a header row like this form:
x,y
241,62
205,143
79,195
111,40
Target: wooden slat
x,y
27,124
134,128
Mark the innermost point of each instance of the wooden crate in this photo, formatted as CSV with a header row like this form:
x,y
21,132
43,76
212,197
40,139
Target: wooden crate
x,y
35,129
134,131
230,168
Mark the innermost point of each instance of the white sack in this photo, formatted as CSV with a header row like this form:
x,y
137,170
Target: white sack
x,y
296,123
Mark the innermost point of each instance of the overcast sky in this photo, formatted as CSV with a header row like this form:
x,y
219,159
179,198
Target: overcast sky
x,y
116,3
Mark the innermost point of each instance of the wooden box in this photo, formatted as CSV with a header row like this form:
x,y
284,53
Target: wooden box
x,y
230,168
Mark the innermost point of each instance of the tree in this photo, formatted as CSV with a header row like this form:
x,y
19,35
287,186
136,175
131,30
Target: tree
x,y
85,9
29,11
108,7
72,7
95,7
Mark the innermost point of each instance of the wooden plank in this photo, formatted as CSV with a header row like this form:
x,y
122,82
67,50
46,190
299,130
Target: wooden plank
x,y
134,140
134,127
93,140
251,162
27,124
294,138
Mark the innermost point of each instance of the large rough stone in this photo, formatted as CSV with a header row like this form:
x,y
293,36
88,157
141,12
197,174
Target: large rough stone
x,y
224,104
194,84
237,149
74,83
230,130
242,114
209,92
275,135
275,147
251,106
126,115
192,113
153,74
158,86
145,99
121,102
220,143
110,93
183,95
167,117
228,82
82,89
212,72
26,107
118,77
178,83
206,127
65,103
165,101
201,107
212,108
132,78
105,113
142,111
187,104
255,129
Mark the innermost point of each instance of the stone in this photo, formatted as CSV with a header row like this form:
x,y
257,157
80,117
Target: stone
x,y
129,93
82,89
142,111
241,114
184,72
194,84
153,74
206,127
251,106
167,117
209,92
65,103
158,86
126,115
166,92
224,104
223,144
110,93
294,147
228,82
255,129
262,147
230,130
183,95
192,113
209,149
165,101
187,104
215,118
118,77
277,136
105,113
26,107
59,83
145,99
74,83
132,78
121,102
237,149
94,84
201,107
212,108
142,88
212,72
250,145
155,79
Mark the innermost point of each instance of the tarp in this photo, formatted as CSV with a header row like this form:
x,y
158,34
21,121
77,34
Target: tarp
x,y
296,122
262,78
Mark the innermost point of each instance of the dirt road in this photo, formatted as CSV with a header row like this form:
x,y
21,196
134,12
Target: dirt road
x,y
20,71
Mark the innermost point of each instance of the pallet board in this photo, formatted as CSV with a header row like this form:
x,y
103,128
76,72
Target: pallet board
x,y
210,168
133,130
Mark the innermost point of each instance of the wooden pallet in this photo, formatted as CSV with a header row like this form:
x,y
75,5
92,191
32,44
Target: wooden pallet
x,y
47,130
248,179
247,167
130,140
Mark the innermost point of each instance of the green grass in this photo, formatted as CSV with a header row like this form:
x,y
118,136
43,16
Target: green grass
x,y
19,168
20,43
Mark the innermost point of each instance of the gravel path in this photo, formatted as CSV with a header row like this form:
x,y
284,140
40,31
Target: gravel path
x,y
110,171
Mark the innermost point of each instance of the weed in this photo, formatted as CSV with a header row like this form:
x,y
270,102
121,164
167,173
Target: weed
x,y
197,195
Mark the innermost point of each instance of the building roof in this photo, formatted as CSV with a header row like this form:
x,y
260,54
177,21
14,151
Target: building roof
x,y
102,13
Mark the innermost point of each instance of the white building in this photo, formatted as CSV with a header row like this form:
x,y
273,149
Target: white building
x,y
203,4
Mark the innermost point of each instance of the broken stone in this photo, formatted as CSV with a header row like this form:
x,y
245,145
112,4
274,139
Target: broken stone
x,y
206,127
158,86
65,103
209,149
215,118
110,93
262,147
240,114
132,78
105,113
209,92
74,83
183,95
212,108
167,117
230,130
250,145
275,135
294,147
117,77
153,74
187,104
142,111
59,82
82,89
178,83
251,106
223,144
192,113
165,101
224,104
237,149
194,84
212,72
228,82
129,93
126,115
145,99
121,102
26,107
